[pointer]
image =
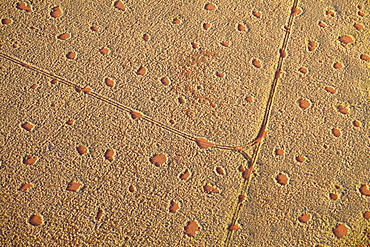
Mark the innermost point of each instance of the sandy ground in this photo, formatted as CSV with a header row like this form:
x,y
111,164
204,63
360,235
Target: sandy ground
x,y
185,123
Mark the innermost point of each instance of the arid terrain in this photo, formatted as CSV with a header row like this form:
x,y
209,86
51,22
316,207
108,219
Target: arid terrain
x,y
185,123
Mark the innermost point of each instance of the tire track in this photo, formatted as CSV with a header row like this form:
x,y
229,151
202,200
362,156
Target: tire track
x,y
251,161
201,142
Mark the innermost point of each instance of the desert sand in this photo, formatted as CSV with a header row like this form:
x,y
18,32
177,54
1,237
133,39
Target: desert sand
x,y
185,123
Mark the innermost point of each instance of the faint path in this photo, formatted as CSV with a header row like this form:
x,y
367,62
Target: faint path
x,y
201,142
247,173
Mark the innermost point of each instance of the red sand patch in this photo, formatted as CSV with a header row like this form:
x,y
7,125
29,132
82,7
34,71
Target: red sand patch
x,y
176,21
74,186
192,228
25,186
141,71
56,12
256,63
165,81
334,196
279,152
185,175
312,45
296,11
71,122
336,132
304,103
104,51
365,57
109,154
119,5
330,90
203,143
366,215
158,159
257,14
226,43
304,218
132,188
109,82
303,70
249,99
136,114
347,39
359,26
242,27
30,160
242,198
6,21
364,189
338,65
36,220
64,36
206,26
220,170
234,227
174,206
28,126
340,231
322,24
301,159
82,150
343,110
210,6
24,6
211,189
99,214
357,123
71,55
282,179
146,37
